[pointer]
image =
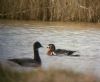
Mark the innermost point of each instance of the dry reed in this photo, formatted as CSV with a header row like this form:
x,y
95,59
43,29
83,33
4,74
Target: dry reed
x,y
51,10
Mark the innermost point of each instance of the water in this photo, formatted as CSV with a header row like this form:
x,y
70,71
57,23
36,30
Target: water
x,y
16,42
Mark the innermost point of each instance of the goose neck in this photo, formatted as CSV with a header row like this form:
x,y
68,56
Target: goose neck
x,y
36,56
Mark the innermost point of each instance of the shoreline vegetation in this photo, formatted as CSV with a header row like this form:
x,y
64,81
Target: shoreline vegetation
x,y
40,75
51,10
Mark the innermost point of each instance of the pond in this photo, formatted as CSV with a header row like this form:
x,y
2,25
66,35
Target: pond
x,y
17,38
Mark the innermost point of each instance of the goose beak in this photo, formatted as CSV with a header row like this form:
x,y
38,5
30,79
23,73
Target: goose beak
x,y
41,46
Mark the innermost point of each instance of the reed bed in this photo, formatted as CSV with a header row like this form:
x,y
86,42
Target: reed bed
x,y
40,75
51,10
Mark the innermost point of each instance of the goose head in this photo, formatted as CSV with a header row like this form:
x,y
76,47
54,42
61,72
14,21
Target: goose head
x,y
37,45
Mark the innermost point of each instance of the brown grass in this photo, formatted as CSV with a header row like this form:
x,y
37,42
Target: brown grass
x,y
40,75
51,10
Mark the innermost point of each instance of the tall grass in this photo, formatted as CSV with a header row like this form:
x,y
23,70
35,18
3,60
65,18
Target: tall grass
x,y
6,75
51,10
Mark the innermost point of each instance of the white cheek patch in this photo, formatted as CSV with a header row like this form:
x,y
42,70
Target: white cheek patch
x,y
54,53
47,46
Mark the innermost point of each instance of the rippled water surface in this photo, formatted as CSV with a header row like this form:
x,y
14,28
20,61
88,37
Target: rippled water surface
x,y
16,42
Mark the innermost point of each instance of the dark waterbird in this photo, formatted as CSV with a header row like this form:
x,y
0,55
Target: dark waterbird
x,y
53,51
28,62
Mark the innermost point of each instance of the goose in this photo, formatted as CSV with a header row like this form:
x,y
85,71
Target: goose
x,y
28,62
53,51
